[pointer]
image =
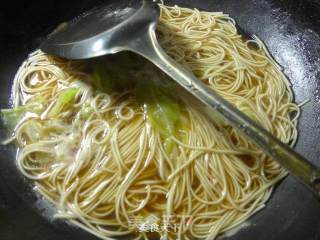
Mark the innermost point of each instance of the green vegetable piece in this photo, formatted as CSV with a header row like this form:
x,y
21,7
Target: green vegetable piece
x,y
110,77
66,97
164,111
102,80
153,90
11,117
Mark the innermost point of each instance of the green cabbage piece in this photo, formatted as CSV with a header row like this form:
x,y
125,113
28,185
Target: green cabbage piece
x,y
65,98
164,111
114,76
11,116
153,90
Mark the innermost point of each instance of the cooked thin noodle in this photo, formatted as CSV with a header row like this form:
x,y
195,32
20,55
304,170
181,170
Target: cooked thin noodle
x,y
110,169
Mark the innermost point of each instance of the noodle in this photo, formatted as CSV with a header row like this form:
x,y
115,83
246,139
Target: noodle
x,y
98,157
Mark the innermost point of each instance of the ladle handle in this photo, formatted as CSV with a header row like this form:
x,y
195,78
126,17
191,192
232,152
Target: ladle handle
x,y
297,165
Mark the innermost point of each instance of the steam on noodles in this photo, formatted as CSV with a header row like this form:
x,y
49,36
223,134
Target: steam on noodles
x,y
118,152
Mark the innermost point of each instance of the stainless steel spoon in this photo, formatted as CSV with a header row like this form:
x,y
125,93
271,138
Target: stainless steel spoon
x,y
130,26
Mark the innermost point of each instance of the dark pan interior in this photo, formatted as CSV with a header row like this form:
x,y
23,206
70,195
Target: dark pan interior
x,y
291,31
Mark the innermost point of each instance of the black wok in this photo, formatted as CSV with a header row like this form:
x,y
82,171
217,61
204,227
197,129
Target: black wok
x,y
291,31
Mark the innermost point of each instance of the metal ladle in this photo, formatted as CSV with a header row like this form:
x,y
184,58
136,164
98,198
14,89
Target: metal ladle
x,y
130,26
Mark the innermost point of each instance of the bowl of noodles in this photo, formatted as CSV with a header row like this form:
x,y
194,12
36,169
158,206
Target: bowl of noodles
x,y
119,150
